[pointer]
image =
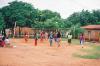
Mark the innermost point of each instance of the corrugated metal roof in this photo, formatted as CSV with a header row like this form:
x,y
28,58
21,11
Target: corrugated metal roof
x,y
96,27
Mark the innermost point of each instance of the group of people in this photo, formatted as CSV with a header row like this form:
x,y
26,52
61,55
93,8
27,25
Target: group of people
x,y
50,36
56,36
4,41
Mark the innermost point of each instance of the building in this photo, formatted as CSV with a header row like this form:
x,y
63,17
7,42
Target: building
x,y
92,32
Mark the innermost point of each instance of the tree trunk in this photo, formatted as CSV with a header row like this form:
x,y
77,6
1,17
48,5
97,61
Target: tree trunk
x,y
19,32
4,32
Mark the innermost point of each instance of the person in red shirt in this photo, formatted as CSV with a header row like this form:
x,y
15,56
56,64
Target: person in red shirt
x,y
2,43
41,36
35,38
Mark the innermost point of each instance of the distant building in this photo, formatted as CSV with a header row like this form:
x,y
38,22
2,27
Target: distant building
x,y
92,32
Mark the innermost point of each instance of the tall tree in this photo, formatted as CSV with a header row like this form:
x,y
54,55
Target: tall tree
x,y
96,14
20,12
2,24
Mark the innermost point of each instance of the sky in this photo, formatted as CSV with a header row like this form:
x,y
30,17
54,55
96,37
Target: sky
x,y
64,7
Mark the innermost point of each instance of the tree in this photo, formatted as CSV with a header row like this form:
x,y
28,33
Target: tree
x,y
20,12
96,14
76,30
67,23
84,17
54,23
2,24
50,14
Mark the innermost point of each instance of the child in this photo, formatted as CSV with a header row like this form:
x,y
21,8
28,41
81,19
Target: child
x,y
26,37
36,38
51,38
41,36
46,36
2,43
81,40
7,42
58,38
55,37
69,38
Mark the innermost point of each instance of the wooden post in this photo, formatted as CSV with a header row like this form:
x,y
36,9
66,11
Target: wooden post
x,y
14,30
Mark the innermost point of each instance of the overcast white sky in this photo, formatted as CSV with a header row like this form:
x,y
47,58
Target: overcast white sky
x,y
64,7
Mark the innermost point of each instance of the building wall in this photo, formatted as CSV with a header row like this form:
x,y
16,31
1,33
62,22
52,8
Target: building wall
x,y
92,35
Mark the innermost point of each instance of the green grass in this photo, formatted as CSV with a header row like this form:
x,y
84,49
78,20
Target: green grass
x,y
77,42
74,41
90,56
93,53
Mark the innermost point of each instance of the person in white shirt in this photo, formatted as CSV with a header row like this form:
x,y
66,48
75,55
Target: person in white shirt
x,y
7,42
69,38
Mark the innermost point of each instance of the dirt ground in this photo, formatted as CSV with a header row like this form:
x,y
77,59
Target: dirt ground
x,y
26,54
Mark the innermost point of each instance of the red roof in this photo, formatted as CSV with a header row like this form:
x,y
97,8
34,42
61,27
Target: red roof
x,y
94,27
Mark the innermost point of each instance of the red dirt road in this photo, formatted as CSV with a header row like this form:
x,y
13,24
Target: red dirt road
x,y
26,54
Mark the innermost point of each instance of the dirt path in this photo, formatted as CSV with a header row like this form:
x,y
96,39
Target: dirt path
x,y
26,54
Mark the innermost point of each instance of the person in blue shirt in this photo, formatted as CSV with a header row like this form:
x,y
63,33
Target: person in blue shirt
x,y
51,38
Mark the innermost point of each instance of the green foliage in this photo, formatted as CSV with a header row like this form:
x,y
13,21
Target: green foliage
x,y
25,14
47,14
21,13
76,30
53,23
85,17
50,23
1,22
67,23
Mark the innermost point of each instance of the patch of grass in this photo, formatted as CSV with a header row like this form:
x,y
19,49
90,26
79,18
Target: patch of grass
x,y
93,53
74,41
89,56
77,42
64,39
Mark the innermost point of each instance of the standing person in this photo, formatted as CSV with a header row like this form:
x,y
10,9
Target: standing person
x,y
2,43
26,37
41,36
7,42
46,36
0,40
69,38
35,38
66,35
82,40
55,36
58,38
51,38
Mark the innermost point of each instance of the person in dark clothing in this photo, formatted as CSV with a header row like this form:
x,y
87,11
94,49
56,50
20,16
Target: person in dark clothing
x,y
55,37
3,38
58,38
